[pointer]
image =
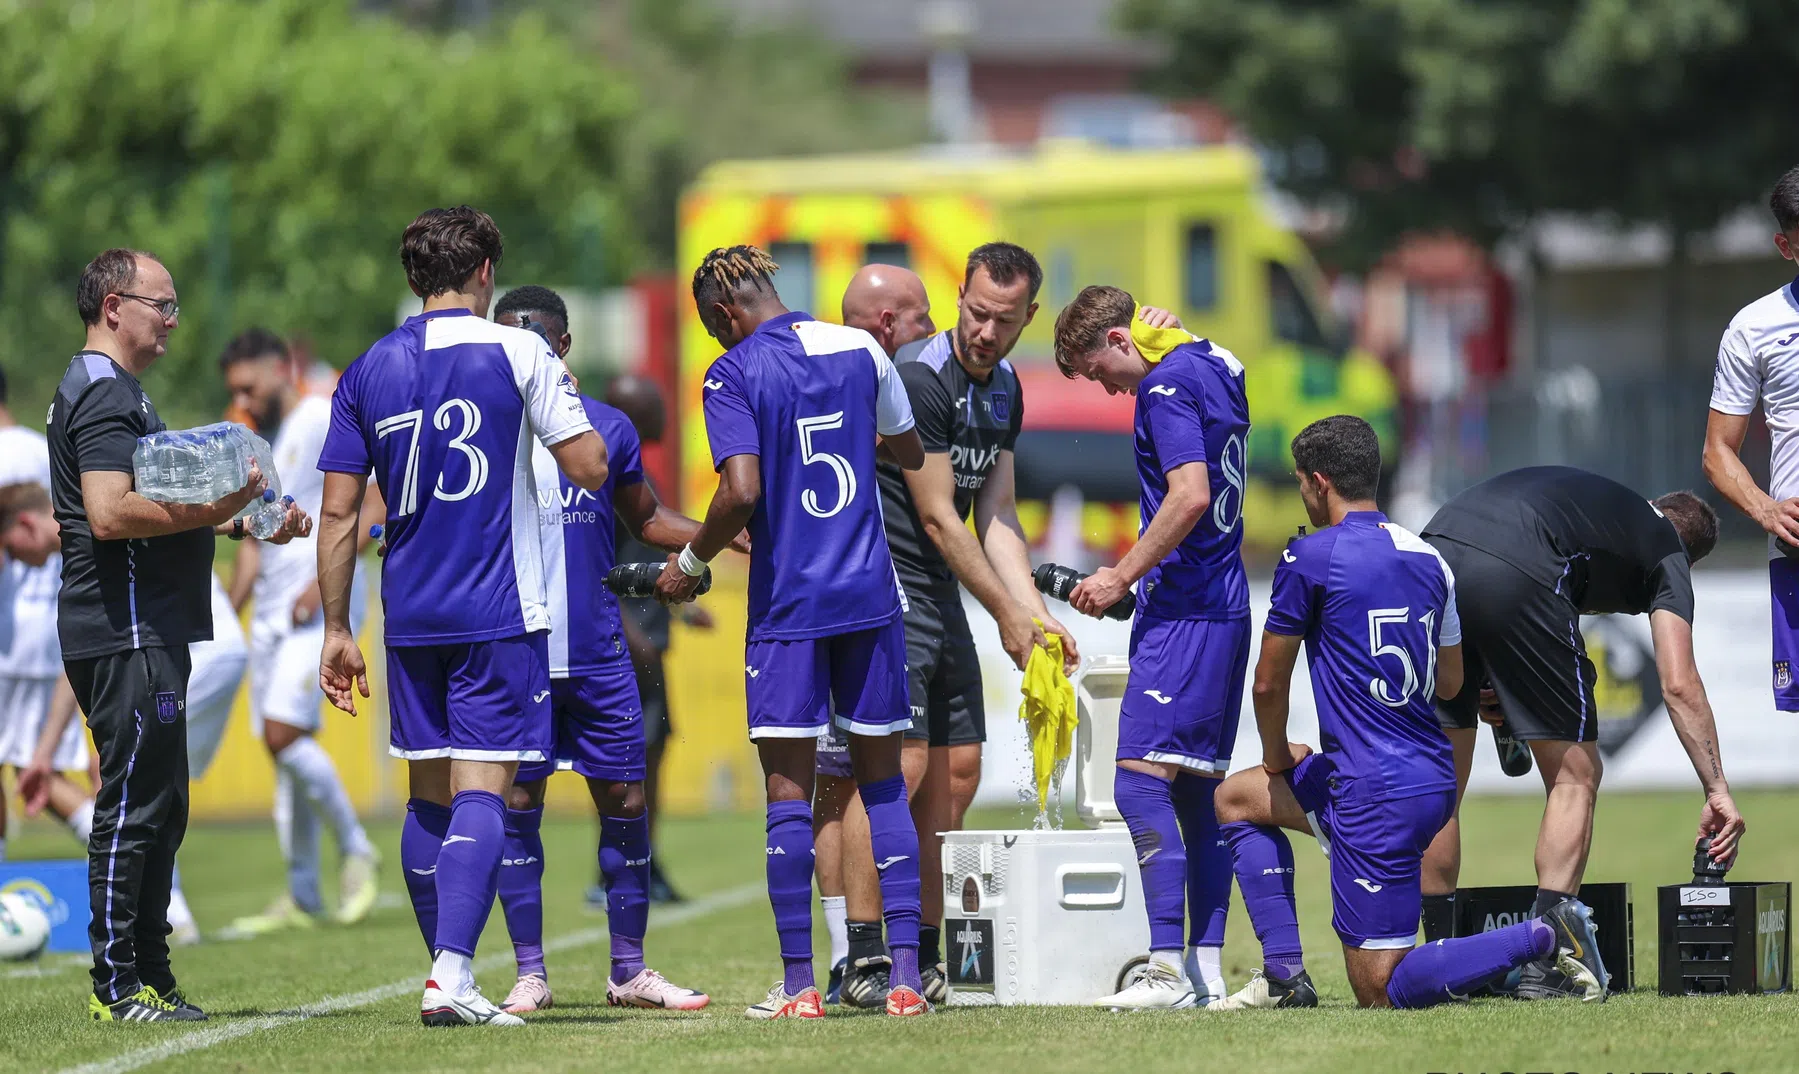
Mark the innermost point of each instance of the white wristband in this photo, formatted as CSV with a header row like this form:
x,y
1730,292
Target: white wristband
x,y
691,565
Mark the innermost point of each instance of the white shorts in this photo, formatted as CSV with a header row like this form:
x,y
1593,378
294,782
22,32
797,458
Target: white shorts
x,y
284,675
211,688
24,703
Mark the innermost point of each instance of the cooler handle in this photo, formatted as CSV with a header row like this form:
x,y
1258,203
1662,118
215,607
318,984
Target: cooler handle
x,y
1090,886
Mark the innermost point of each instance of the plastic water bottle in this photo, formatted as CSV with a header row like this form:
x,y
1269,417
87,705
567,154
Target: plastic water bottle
x,y
1055,580
206,464
639,580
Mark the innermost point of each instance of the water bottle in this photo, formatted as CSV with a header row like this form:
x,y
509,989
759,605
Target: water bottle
x,y
1705,870
639,579
1057,581
203,465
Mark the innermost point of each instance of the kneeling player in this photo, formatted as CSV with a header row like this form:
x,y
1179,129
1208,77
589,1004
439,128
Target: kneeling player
x,y
792,413
593,696
1375,607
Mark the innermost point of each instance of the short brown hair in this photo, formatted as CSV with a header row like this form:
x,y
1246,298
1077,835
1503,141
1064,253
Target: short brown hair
x,y
1083,323
1693,519
111,273
444,247
17,499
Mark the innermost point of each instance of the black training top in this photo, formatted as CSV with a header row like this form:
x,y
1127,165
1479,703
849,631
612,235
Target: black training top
x,y
1587,537
957,414
125,594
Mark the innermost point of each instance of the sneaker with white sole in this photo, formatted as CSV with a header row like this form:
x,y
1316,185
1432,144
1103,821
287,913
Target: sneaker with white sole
x,y
281,914
359,886
651,989
531,993
902,1002
808,1004
471,1008
1266,993
1157,989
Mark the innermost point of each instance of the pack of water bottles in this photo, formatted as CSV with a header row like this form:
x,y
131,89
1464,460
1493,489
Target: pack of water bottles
x,y
206,464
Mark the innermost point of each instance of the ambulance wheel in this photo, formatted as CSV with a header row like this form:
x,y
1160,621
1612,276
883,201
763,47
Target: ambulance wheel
x,y
1133,972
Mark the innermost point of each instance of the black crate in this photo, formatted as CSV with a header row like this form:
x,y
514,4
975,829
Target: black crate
x,y
1485,909
1725,938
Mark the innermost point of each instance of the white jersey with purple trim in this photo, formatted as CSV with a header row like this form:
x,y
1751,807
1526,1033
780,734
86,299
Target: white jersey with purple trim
x,y
28,644
1758,362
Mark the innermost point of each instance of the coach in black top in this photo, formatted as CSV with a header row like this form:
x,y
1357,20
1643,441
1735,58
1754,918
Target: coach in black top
x,y
135,593
1533,550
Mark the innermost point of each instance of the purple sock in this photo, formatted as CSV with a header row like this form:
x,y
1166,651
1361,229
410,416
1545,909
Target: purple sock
x,y
790,888
521,887
1449,969
1263,860
468,871
1208,860
894,838
421,838
1147,803
625,868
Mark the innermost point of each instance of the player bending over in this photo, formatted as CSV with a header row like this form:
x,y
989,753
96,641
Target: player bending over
x,y
593,695
792,412
440,410
1375,608
1190,641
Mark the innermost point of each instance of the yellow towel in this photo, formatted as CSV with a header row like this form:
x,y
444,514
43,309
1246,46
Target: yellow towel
x,y
1155,343
1048,712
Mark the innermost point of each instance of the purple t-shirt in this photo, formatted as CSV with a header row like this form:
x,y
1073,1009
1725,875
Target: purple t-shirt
x,y
442,411
808,398
1191,408
1373,602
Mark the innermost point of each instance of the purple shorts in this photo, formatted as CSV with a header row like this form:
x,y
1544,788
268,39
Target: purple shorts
x,y
794,688
599,727
1376,849
1783,587
834,754
1185,692
473,701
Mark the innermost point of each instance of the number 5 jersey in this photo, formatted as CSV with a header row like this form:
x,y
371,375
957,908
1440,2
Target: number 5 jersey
x,y
808,399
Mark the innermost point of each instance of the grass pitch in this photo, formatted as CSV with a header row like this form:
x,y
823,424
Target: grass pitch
x,y
346,999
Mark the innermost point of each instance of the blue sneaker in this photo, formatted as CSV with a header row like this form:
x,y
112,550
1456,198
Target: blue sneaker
x,y
835,989
1576,957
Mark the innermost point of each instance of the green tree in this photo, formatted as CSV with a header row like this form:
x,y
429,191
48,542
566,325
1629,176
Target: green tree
x,y
271,154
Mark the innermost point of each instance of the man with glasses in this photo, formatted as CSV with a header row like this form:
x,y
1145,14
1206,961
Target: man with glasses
x,y
135,592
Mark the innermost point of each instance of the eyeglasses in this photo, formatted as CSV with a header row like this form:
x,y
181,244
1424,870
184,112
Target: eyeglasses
x,y
167,307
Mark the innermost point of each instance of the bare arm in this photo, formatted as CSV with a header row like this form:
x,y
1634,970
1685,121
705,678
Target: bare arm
x,y
341,669
1449,671
34,781
739,489
1691,714
1189,496
1002,538
583,459
1273,682
1724,468
115,512
650,521
905,449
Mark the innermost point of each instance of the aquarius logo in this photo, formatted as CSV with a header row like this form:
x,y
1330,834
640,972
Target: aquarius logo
x,y
1773,927
54,908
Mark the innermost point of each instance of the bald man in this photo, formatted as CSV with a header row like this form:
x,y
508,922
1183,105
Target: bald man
x,y
890,304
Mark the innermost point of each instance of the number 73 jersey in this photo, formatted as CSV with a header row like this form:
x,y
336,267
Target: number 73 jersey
x,y
808,398
1373,602
442,411
1191,409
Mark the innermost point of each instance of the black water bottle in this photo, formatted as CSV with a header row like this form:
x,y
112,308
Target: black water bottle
x,y
1057,581
1705,870
639,579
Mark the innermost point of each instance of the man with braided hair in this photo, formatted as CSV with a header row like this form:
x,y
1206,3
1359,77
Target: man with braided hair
x,y
792,412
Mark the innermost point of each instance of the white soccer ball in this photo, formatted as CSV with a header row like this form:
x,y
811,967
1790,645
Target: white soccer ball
x,y
24,927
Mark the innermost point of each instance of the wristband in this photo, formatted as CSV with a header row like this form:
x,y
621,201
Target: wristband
x,y
237,530
691,565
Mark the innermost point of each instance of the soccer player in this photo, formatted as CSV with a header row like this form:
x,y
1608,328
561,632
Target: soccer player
x,y
1758,362
1533,550
286,636
793,409
441,410
1375,608
966,399
593,695
1190,641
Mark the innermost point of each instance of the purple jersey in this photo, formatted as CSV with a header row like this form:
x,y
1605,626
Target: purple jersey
x,y
1373,602
1191,408
579,548
808,398
442,411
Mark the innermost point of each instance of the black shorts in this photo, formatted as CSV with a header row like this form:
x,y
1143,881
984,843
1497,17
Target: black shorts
x,y
1525,639
943,674
652,692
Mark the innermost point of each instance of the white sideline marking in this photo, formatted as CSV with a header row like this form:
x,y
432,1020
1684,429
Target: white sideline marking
x,y
47,967
216,1035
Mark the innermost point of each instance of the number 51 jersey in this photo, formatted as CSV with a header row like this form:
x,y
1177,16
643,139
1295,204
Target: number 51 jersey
x,y
808,397
441,410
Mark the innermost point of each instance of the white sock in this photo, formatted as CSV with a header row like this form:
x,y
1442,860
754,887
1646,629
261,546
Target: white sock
x,y
81,822
180,915
313,770
453,973
1205,968
837,923
1170,961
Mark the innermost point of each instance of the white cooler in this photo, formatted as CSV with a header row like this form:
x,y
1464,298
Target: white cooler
x,y
1051,917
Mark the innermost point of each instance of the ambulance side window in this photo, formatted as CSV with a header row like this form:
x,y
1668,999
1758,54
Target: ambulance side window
x,y
1200,267
794,280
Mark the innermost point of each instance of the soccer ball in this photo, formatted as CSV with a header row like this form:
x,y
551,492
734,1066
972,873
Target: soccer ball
x,y
24,927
